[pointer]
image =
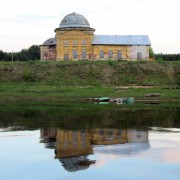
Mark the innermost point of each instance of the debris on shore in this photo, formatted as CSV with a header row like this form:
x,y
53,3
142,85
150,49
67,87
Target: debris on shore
x,y
152,95
129,100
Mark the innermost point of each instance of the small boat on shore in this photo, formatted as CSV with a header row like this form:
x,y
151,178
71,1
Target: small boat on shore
x,y
101,99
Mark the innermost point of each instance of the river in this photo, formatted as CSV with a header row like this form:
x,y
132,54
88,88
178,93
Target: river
x,y
60,140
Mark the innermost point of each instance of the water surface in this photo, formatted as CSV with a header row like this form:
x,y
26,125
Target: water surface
x,y
45,140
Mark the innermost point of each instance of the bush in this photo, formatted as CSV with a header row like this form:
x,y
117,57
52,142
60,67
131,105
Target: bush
x,y
160,60
29,77
110,63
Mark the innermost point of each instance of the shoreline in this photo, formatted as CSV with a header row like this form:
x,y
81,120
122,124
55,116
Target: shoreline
x,y
56,92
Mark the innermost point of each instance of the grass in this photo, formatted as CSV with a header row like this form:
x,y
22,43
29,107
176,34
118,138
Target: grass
x,y
57,92
85,79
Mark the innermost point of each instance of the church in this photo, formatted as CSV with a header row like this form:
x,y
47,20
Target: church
x,y
75,40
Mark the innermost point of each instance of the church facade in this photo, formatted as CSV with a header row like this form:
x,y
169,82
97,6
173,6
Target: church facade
x,y
75,40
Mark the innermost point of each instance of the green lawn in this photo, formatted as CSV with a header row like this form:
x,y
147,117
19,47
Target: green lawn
x,y
14,91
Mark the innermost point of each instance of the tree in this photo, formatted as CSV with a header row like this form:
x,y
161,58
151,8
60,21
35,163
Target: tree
x,y
2,54
151,52
5,56
34,52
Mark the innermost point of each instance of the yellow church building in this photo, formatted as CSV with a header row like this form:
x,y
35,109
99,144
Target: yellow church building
x,y
75,40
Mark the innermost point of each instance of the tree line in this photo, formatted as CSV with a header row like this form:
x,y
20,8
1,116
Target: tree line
x,y
167,57
30,54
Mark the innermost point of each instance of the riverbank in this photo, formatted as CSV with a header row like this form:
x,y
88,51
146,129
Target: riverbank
x,y
15,91
81,80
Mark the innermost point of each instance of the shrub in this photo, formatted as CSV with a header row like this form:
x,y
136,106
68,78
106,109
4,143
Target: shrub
x,y
29,76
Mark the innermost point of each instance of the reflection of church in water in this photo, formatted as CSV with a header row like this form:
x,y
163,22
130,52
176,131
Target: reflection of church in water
x,y
72,147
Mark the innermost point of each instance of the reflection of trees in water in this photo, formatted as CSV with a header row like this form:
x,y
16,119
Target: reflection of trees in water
x,y
72,147
86,115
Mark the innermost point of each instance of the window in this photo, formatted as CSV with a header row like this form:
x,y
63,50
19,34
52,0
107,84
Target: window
x,y
75,43
119,55
83,54
74,54
101,54
139,56
66,57
66,43
83,42
110,54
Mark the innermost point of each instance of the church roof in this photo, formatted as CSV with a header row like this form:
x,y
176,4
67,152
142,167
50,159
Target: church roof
x,y
121,40
74,20
50,42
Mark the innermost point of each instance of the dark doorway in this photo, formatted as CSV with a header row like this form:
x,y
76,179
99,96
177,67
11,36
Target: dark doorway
x,y
139,56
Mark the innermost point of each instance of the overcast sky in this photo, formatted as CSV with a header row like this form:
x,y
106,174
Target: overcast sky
x,y
27,22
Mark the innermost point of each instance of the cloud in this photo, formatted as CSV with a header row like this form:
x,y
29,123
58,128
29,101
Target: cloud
x,y
157,18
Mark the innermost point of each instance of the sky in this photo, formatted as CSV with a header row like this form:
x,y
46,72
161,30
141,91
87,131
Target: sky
x,y
27,22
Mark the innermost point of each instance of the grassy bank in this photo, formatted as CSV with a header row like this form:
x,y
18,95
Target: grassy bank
x,y
58,92
58,80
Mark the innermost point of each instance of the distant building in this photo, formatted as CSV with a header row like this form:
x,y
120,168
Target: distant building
x,y
75,40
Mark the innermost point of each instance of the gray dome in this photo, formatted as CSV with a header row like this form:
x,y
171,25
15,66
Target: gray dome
x,y
50,41
74,20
